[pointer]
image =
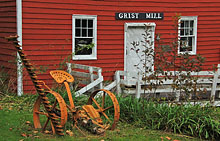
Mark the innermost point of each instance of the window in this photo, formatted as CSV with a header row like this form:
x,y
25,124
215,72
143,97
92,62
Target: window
x,y
84,37
187,34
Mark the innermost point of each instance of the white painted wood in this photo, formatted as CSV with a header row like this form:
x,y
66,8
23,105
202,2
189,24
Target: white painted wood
x,y
209,81
19,62
93,56
69,70
83,74
111,85
177,94
89,86
84,67
117,78
138,86
161,90
195,19
214,85
134,60
99,76
91,83
201,80
91,76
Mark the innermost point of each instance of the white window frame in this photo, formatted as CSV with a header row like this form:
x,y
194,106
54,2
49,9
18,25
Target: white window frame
x,y
194,43
93,56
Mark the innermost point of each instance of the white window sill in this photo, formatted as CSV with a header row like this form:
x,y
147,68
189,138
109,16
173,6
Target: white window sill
x,y
81,57
189,52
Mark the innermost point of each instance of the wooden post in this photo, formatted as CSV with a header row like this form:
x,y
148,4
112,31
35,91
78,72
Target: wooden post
x,y
138,86
99,76
177,95
91,76
117,78
214,84
69,70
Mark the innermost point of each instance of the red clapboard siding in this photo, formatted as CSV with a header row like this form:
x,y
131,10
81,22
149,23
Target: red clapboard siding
x,y
47,29
7,27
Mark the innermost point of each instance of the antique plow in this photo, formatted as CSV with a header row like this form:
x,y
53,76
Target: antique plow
x,y
51,112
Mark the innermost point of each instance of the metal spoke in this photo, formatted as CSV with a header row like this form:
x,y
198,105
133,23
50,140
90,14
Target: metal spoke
x,y
103,100
45,125
108,108
96,103
42,113
106,116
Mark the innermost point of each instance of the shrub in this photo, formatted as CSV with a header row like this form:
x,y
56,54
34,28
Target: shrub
x,y
187,119
7,83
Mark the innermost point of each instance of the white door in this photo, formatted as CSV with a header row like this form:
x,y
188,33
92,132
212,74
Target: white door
x,y
139,37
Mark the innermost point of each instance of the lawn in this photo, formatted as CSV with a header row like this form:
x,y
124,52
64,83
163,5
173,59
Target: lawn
x,y
16,124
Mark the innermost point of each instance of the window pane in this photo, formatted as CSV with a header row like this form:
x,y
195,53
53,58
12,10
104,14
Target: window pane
x,y
182,24
78,22
81,46
191,31
84,33
186,23
186,31
185,44
77,32
90,23
191,27
181,32
84,23
189,41
90,33
191,23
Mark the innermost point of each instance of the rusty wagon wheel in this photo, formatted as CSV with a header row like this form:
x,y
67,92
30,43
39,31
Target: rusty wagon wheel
x,y
107,105
59,109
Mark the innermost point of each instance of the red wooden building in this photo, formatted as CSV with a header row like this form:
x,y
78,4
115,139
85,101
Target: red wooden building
x,y
50,31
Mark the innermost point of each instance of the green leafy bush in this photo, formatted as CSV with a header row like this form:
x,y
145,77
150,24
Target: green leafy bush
x,y
187,119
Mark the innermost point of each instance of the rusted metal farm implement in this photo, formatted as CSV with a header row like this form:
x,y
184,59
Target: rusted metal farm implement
x,y
51,111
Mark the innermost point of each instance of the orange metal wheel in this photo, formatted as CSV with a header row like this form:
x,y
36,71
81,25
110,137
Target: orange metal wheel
x,y
107,105
58,109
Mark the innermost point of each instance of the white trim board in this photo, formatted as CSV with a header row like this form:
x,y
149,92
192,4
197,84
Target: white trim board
x,y
19,33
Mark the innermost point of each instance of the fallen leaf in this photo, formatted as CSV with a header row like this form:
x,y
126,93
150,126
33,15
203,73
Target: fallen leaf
x,y
47,132
10,129
69,132
30,135
168,138
176,140
36,136
24,135
161,138
35,132
102,140
28,122
21,140
0,108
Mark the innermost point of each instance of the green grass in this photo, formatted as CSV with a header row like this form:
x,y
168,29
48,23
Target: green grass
x,y
16,113
13,125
